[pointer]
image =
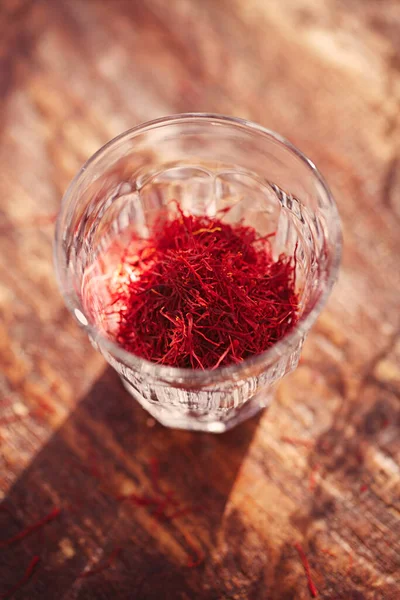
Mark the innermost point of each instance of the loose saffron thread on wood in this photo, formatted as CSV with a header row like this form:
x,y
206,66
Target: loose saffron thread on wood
x,y
160,504
91,466
158,511
196,560
105,565
200,293
157,505
138,499
197,557
27,575
31,528
306,566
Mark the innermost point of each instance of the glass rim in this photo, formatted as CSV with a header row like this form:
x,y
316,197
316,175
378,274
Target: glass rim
x,y
239,370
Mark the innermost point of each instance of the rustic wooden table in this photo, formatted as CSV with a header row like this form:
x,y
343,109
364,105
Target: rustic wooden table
x,y
326,74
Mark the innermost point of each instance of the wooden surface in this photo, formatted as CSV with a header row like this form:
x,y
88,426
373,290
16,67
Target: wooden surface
x,y
324,73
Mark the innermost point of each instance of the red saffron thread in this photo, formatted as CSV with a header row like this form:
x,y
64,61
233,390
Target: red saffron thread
x,y
307,570
27,575
139,500
199,293
159,511
195,559
107,563
31,528
160,503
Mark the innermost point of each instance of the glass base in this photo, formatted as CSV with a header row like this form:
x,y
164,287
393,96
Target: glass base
x,y
196,420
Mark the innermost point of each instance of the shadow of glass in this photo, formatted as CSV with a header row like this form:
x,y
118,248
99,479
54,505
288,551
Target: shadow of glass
x,y
105,449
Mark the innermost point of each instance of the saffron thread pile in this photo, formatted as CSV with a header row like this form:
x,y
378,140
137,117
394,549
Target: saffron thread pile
x,y
202,293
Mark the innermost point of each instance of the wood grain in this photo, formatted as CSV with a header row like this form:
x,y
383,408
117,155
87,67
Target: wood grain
x,y
326,75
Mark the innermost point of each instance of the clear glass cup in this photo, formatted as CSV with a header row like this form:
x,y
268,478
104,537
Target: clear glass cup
x,y
206,162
